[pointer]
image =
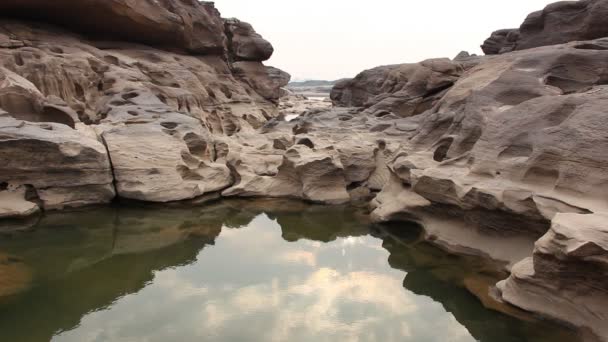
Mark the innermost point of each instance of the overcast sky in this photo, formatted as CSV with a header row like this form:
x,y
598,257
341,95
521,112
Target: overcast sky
x,y
331,39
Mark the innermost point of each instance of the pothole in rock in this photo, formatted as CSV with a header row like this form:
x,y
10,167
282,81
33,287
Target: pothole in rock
x,y
169,125
306,142
441,152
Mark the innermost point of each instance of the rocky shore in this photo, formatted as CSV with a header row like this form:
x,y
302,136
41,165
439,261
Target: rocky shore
x,y
502,155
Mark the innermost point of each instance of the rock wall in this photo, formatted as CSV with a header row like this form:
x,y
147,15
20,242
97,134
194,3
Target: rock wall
x,y
89,113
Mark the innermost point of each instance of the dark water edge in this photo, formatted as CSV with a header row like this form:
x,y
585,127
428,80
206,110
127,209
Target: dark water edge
x,y
243,270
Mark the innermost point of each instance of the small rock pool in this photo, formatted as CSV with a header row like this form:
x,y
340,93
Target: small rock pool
x,y
244,270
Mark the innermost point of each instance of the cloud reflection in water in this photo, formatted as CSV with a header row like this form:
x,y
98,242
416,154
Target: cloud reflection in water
x,y
304,291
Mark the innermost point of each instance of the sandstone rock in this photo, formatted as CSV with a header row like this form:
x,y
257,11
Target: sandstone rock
x,y
23,100
266,81
566,278
165,161
322,174
54,159
405,90
300,172
191,25
483,134
244,43
464,55
13,203
500,41
516,142
558,23
158,112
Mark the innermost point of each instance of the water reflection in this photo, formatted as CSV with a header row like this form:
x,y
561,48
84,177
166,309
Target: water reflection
x,y
259,270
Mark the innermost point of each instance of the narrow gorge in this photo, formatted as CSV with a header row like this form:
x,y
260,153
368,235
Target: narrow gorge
x,y
501,158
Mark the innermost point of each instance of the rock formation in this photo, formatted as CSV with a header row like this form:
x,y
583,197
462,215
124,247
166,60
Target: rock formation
x,y
558,23
87,118
513,145
405,89
487,153
244,43
186,24
566,277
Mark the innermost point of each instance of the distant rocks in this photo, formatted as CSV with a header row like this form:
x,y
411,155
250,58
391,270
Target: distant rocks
x,y
501,41
558,23
464,55
405,89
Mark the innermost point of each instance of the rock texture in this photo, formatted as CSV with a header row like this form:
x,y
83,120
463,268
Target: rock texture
x,y
522,134
566,277
405,89
512,146
558,23
52,165
488,153
244,43
84,120
187,24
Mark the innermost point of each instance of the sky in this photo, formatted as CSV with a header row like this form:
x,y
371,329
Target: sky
x,y
332,39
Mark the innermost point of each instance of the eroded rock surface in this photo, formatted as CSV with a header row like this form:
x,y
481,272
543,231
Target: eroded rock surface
x,y
566,277
487,153
515,146
404,89
245,44
558,23
85,120
188,24
52,166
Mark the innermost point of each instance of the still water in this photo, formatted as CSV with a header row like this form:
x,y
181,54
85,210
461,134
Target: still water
x,y
259,270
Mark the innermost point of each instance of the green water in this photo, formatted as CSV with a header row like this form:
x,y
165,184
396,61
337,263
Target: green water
x,y
242,271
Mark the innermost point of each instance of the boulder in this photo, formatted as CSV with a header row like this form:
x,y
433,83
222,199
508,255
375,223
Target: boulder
x,y
244,44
